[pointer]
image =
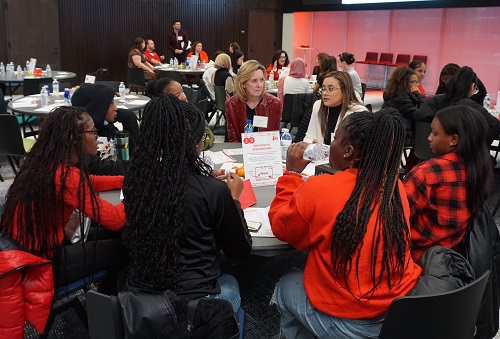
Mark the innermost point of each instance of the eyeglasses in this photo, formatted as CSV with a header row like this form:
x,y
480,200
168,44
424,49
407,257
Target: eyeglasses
x,y
94,131
329,89
413,82
282,57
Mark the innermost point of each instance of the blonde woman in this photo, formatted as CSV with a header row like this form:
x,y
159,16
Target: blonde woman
x,y
251,100
338,100
223,76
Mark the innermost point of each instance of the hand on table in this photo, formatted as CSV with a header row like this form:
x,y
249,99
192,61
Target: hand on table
x,y
294,157
219,174
162,57
235,184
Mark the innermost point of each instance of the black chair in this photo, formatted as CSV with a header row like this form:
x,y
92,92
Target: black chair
x,y
32,86
99,74
449,315
220,101
421,147
286,114
171,75
363,91
11,141
135,79
104,314
298,113
113,84
189,92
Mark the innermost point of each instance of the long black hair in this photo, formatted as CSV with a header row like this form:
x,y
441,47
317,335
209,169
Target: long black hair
x,y
33,203
154,188
379,138
471,128
458,86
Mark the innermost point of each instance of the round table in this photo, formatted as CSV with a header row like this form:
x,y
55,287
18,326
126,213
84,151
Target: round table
x,y
31,106
13,80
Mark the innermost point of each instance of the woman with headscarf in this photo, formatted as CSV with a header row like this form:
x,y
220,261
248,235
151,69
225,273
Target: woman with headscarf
x,y
223,76
97,99
295,82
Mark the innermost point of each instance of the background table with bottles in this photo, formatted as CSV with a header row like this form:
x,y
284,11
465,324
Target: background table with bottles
x,y
13,81
30,106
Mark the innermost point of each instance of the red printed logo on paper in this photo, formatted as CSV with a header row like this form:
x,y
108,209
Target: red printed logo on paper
x,y
248,140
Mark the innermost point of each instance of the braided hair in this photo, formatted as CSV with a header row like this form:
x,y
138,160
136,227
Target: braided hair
x,y
154,189
379,139
33,204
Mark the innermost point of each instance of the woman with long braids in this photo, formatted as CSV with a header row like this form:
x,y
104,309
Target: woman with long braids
x,y
52,183
179,216
356,226
444,192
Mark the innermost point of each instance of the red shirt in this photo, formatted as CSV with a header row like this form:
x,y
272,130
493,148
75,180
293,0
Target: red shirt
x,y
110,216
437,193
151,55
303,215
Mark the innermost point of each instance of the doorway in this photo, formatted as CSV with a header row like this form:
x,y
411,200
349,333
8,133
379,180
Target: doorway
x,y
262,36
33,32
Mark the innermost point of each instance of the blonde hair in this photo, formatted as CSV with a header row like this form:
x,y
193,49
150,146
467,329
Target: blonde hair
x,y
244,74
348,98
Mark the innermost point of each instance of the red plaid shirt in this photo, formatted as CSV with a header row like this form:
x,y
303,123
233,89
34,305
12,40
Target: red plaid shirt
x,y
437,195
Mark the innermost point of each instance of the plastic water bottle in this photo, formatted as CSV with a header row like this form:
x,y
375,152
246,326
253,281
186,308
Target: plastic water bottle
x,y
48,71
2,68
19,72
67,97
121,90
203,64
55,87
248,127
286,141
176,63
271,78
11,66
487,102
316,152
171,63
186,63
198,64
8,71
45,96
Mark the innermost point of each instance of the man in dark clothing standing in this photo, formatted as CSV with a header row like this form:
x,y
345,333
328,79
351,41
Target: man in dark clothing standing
x,y
178,42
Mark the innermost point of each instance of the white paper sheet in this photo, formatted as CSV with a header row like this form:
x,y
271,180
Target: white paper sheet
x,y
24,104
259,214
233,151
218,157
262,157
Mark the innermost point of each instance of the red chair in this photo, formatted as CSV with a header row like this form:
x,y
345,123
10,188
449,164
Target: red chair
x,y
402,60
422,58
371,58
386,59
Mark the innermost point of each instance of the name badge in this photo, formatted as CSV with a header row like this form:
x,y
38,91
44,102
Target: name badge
x,y
179,38
259,121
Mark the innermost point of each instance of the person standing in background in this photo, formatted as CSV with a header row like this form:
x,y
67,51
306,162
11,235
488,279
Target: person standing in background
x,y
178,42
151,55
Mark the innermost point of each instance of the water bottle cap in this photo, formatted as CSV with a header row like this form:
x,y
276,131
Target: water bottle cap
x,y
249,121
285,130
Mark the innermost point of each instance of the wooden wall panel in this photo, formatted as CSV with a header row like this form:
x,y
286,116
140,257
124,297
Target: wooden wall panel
x,y
99,33
3,33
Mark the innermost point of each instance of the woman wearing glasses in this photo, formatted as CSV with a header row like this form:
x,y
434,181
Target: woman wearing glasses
x,y
338,100
280,60
459,89
52,183
403,94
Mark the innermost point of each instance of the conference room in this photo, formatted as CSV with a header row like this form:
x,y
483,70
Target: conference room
x,y
82,37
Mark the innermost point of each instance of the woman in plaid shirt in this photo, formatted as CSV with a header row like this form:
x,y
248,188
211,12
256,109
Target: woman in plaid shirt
x,y
445,191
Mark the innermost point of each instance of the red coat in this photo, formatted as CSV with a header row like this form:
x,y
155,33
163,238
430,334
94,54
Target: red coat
x,y
236,115
27,289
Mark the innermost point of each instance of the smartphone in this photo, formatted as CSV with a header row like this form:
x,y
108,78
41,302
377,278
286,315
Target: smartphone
x,y
254,226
